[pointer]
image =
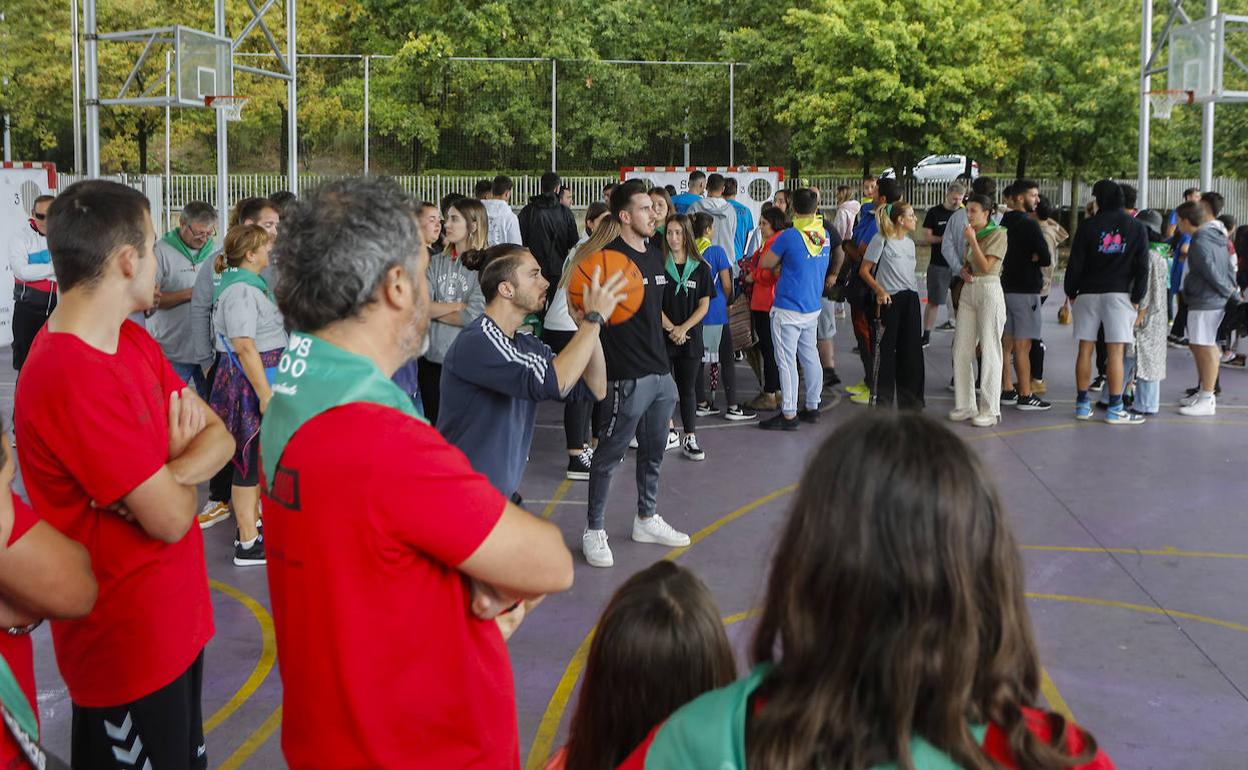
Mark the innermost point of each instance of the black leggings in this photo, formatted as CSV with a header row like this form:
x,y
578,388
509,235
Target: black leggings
x,y
685,371
727,370
429,376
1037,354
766,349
579,423
901,353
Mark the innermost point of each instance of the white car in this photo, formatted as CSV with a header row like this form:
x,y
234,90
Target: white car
x,y
938,168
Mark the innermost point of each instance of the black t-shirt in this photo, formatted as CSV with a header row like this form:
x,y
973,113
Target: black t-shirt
x,y
936,220
679,305
1019,274
638,347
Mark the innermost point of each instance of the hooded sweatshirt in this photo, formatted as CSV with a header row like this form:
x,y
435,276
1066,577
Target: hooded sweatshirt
x,y
725,217
1211,271
1109,254
504,226
548,230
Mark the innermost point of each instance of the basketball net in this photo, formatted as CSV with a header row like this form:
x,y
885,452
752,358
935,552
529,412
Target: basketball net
x,y
231,106
1164,102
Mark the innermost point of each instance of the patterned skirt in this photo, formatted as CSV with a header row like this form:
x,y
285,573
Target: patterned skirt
x,y
238,406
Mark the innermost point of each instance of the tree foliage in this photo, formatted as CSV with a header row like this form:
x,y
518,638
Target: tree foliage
x,y
1049,87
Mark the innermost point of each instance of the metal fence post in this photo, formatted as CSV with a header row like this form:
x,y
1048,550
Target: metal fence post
x,y
366,106
554,101
732,112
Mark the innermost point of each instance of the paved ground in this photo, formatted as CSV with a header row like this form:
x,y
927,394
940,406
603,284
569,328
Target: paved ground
x,y
1136,538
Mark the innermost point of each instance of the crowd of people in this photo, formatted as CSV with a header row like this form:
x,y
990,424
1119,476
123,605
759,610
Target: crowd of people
x,y
296,365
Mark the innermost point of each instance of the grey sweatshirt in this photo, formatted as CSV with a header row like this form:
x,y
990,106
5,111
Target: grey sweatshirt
x,y
1210,278
450,281
953,245
725,235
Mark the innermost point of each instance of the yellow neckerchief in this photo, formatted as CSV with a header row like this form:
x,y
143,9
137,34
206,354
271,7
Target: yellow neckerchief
x,y
814,234
703,244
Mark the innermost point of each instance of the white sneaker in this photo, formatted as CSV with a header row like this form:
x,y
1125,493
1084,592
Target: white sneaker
x,y
655,530
1189,400
632,443
1202,407
962,415
594,546
673,441
213,513
985,420
692,450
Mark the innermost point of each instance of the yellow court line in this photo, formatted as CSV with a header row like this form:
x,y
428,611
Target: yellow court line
x,y
1167,551
560,491
1053,697
716,525
253,741
268,654
1145,608
549,726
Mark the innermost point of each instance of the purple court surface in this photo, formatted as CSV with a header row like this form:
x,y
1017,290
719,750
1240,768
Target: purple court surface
x,y
1135,538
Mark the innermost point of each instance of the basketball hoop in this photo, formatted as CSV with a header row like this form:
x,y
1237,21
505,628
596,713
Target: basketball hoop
x,y
1164,102
232,106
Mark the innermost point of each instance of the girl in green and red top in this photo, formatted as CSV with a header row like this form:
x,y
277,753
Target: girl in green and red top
x,y
895,631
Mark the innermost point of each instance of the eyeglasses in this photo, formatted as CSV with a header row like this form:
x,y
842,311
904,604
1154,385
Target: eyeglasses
x,y
200,233
41,217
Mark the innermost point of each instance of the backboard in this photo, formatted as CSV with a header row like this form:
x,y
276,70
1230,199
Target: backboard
x,y
205,65
1204,58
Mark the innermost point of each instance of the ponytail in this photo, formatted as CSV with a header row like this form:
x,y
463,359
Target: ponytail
x,y
888,216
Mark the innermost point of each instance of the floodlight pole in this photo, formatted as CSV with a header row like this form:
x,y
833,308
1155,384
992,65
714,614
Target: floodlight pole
x,y
554,101
168,196
366,107
93,89
1146,54
75,64
292,102
1206,117
223,151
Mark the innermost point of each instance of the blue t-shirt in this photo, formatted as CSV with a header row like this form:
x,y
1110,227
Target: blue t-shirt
x,y
745,226
1176,266
683,201
491,384
867,227
716,260
801,275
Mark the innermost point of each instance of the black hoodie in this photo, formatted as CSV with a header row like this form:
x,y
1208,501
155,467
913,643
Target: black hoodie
x,y
548,229
1109,254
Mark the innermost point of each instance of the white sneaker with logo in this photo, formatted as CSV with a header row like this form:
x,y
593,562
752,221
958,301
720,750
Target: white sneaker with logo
x,y
1205,406
594,546
655,530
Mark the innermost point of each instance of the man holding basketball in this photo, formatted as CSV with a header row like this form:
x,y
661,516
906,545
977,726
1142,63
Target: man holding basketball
x,y
640,391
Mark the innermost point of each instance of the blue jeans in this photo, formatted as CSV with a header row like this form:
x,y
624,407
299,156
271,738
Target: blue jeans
x,y
193,375
796,343
1148,396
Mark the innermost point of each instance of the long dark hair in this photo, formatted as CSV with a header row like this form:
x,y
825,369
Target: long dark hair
x,y
686,229
895,608
659,644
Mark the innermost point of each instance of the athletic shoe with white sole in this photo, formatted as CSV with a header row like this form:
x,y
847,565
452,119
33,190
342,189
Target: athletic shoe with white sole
x,y
249,557
706,409
1098,382
962,415
947,326
1009,397
1202,407
1121,416
594,546
692,450
673,441
578,467
1083,410
739,413
213,513
984,420
654,530
632,443
1032,403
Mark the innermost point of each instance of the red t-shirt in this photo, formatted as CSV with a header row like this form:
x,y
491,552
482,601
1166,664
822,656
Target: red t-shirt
x,y
17,650
95,426
382,662
763,295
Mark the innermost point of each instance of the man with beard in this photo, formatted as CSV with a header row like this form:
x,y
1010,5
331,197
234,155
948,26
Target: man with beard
x,y
1022,281
390,556
493,377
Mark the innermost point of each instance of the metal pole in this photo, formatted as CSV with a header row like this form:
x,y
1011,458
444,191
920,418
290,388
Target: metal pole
x,y
292,103
554,100
75,65
365,115
168,142
8,149
732,107
223,151
1206,119
93,89
1146,53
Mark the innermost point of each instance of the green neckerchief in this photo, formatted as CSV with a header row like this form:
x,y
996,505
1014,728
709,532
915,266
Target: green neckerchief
x,y
14,701
991,228
691,264
173,239
814,234
315,376
233,275
710,732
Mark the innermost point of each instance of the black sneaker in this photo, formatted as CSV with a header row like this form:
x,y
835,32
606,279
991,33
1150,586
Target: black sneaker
x,y
1033,403
249,557
808,415
830,380
578,467
738,413
1098,382
779,422
947,326
706,409
927,339
1009,397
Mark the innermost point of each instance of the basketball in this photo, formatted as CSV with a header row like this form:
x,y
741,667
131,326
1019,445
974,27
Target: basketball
x,y
609,263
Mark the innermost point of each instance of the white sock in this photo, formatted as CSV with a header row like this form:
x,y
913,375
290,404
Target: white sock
x,y
248,543
1206,395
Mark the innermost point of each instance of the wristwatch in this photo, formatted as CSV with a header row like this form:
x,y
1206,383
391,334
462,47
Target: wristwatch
x,y
595,318
24,630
